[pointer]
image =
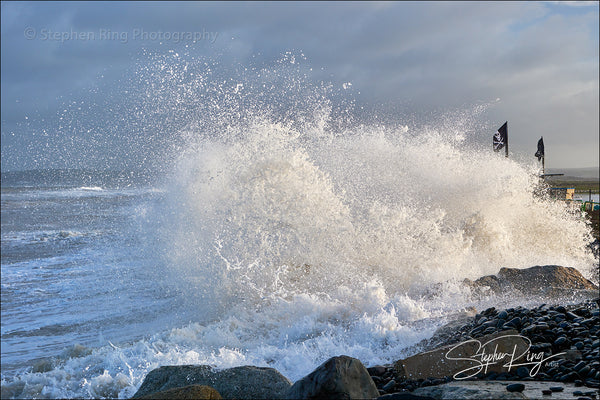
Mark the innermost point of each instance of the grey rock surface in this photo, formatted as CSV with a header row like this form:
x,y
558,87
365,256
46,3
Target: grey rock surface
x,y
340,377
246,382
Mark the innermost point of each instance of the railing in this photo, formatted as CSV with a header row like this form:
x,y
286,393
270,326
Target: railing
x,y
590,206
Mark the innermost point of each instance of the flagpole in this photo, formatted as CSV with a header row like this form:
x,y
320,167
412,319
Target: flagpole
x,y
506,145
544,165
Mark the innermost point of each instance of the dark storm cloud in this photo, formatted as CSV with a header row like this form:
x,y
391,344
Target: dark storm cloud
x,y
540,59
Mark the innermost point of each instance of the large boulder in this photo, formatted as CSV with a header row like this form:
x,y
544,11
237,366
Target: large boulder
x,y
246,382
340,377
545,280
195,392
463,359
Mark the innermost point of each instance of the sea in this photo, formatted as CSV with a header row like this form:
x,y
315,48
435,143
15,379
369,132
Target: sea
x,y
276,242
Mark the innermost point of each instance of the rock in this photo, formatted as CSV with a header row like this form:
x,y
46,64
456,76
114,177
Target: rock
x,y
457,321
539,278
377,370
572,316
388,387
403,396
43,365
589,321
491,310
514,323
340,377
523,372
579,365
487,390
561,341
515,387
592,383
453,359
546,280
12,390
199,392
487,284
246,382
572,355
543,347
468,390
583,372
569,377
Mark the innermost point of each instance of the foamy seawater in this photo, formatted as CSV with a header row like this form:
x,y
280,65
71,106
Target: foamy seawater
x,y
268,241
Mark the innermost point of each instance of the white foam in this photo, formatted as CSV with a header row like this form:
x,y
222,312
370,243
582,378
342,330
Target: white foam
x,y
91,188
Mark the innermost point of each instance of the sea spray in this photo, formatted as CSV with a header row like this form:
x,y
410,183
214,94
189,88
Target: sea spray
x,y
293,232
274,210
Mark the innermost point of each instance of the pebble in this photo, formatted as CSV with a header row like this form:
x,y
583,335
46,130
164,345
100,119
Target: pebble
x,y
515,387
581,393
571,316
561,341
490,311
516,322
388,387
579,365
569,329
377,370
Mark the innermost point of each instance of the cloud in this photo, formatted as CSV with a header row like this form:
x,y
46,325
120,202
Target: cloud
x,y
540,58
575,3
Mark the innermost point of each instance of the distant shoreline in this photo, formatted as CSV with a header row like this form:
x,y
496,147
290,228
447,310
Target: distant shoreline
x,y
581,185
591,173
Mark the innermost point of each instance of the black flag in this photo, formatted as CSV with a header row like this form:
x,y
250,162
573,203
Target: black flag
x,y
540,151
501,138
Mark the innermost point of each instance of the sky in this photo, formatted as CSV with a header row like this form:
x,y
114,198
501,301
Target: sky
x,y
68,69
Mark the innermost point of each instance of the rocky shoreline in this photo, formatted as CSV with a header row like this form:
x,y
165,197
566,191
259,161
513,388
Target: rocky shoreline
x,y
550,351
568,330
